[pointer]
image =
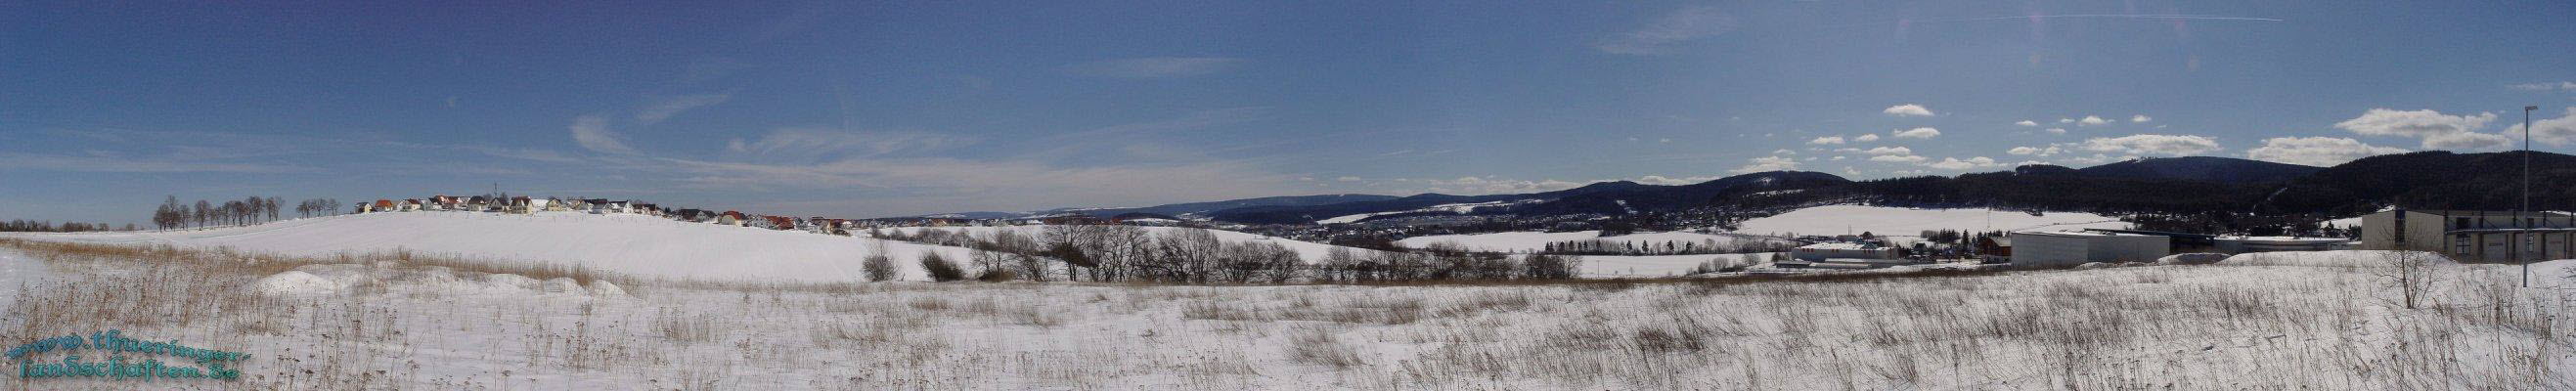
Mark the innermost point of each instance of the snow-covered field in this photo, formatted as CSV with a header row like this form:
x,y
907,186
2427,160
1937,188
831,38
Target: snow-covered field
x,y
2276,321
1887,221
1532,241
1310,250
1649,266
637,245
1451,208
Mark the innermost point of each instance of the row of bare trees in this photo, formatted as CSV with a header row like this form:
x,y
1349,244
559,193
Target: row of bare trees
x,y
1123,253
249,210
49,226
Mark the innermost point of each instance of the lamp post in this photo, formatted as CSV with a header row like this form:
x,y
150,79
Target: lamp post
x,y
2525,235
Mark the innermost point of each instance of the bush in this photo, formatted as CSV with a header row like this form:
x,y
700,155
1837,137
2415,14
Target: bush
x,y
939,268
879,268
996,275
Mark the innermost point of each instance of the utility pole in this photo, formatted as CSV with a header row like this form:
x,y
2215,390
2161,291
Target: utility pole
x,y
2525,221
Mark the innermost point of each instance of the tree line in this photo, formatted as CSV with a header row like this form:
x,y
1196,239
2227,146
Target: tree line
x,y
1668,247
249,210
1123,253
48,226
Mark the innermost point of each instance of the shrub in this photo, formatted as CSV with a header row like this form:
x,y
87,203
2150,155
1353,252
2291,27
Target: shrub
x,y
879,268
996,275
939,268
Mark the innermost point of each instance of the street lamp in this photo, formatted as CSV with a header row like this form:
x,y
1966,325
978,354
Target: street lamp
x,y
2525,235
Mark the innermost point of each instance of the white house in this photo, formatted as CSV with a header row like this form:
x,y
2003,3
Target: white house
x,y
2053,249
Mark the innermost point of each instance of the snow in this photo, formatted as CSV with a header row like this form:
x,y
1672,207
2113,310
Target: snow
x,y
1533,241
1451,208
636,245
295,283
1614,266
1310,250
1907,222
2264,323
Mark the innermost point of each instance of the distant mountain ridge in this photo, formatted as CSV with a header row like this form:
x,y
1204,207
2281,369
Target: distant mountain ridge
x,y
2181,185
1180,208
2201,168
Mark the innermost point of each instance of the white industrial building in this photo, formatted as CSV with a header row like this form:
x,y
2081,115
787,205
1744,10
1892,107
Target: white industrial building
x,y
2054,249
1821,252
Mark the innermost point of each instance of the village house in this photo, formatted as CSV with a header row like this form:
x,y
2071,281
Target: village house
x,y
733,218
410,205
521,205
442,202
557,205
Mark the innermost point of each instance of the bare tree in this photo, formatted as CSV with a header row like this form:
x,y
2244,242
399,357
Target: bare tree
x,y
2413,273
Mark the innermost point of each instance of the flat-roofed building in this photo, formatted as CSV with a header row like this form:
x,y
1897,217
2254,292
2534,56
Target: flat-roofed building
x,y
2473,236
2055,249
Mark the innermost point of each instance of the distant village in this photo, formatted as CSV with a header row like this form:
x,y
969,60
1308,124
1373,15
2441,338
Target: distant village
x,y
816,224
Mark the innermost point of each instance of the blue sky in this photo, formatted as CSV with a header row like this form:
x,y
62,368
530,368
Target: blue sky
x,y
868,109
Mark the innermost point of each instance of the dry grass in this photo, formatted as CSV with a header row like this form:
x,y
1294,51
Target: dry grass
x,y
2159,327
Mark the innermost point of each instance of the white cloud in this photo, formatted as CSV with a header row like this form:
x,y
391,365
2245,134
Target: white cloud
x,y
2466,140
1827,140
2065,120
2153,144
2140,118
2035,151
1898,150
1152,67
664,108
2315,151
1898,158
1955,164
2057,130
591,131
2555,131
1908,110
2092,120
2027,123
2545,86
1866,138
1660,36
1784,152
1347,179
1766,164
1924,132
2438,131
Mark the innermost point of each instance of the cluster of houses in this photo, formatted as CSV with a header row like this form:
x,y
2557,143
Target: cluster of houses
x,y
816,224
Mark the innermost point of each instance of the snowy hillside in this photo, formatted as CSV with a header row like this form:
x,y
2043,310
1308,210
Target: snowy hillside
x,y
1310,250
636,245
1526,242
1887,221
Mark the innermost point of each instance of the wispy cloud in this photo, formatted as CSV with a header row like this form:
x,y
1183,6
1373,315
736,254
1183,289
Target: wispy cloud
x,y
664,107
813,144
591,132
1672,29
1152,67
125,164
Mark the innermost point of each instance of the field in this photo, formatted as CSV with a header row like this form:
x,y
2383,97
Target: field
x,y
2274,321
1887,221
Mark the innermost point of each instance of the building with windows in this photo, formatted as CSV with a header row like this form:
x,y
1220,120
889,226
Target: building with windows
x,y
2473,236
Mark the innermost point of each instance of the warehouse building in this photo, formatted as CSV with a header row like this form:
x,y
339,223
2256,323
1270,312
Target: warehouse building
x,y
2058,249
